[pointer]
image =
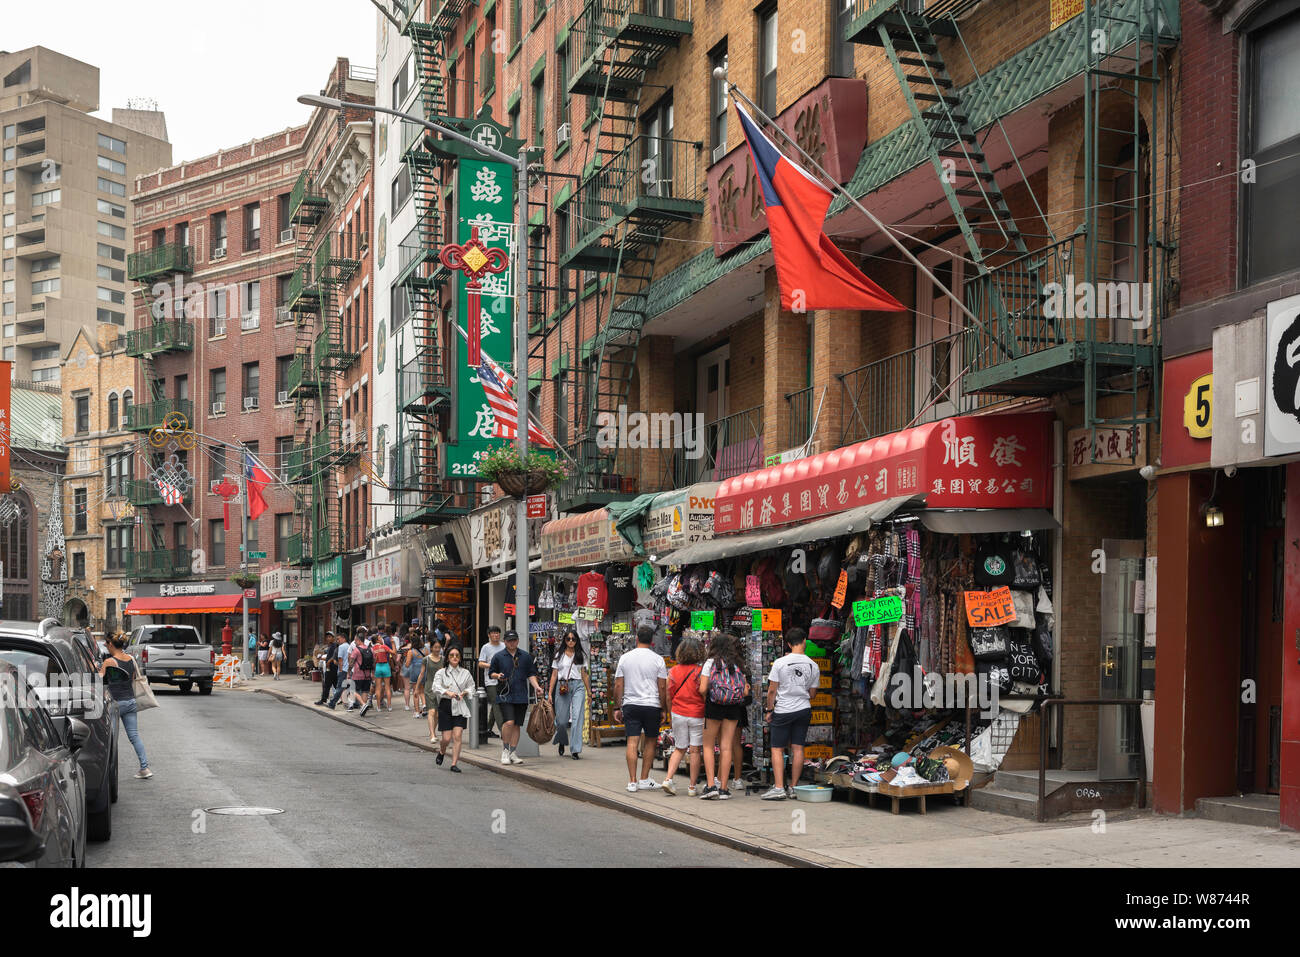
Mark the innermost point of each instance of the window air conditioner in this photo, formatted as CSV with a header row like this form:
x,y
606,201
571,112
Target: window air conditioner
x,y
563,133
218,251
281,398
218,408
286,235
251,320
719,151
250,402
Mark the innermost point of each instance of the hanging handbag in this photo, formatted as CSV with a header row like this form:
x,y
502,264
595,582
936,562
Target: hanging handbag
x,y
1023,602
144,699
1021,660
1025,573
988,644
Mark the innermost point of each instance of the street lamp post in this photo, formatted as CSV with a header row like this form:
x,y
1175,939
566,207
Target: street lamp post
x,y
520,165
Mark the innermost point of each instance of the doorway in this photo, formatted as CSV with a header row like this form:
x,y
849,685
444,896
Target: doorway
x,y
1119,738
712,375
1259,716
938,366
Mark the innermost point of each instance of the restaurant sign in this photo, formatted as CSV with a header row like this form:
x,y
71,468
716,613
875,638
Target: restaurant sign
x,y
829,123
285,583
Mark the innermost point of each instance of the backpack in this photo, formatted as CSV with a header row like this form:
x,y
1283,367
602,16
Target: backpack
x,y
726,684
367,659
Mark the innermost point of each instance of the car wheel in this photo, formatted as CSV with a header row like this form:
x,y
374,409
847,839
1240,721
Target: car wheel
x,y
99,823
205,687
185,686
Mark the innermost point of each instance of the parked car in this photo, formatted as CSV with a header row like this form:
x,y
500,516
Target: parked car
x,y
50,654
42,784
175,655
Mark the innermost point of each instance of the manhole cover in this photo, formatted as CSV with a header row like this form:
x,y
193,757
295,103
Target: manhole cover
x,y
245,810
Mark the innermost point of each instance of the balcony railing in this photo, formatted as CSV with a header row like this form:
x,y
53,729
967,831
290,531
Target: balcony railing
x,y
294,551
306,203
644,27
150,415
160,337
301,294
144,492
301,376
799,418
167,258
158,563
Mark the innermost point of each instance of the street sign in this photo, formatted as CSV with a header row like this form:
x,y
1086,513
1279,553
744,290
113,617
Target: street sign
x,y
250,592
537,506
257,554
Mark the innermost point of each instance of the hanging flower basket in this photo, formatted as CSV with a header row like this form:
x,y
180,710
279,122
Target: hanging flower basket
x,y
520,484
518,478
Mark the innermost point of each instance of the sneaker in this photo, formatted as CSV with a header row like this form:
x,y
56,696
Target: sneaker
x,y
438,760
648,784
388,708
144,773
631,787
710,793
669,788
774,794
455,769
364,708
406,707
789,792
514,758
691,791
724,795
561,750
737,784
575,755
505,755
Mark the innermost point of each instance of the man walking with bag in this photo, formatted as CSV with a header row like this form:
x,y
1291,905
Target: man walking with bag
x,y
516,671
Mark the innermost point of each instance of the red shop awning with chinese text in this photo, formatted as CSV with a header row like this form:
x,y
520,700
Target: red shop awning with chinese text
x,y
973,461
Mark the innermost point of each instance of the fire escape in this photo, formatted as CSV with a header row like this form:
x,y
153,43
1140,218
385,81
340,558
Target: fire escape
x,y
638,184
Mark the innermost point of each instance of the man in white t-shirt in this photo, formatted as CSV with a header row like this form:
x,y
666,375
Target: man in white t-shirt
x,y
790,686
641,686
485,656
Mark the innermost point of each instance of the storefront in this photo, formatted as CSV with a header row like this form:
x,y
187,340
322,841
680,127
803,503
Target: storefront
x,y
203,604
329,606
492,555
447,586
282,587
388,586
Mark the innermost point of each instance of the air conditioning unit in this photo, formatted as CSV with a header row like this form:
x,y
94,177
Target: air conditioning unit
x,y
250,402
719,151
286,235
563,133
218,408
281,398
281,314
218,252
250,321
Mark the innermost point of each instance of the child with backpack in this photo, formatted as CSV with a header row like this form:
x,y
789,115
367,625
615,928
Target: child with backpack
x,y
724,687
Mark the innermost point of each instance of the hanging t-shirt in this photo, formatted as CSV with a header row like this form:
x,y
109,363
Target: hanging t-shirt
x,y
592,592
622,593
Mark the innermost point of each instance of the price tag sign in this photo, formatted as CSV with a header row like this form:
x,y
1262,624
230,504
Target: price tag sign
x,y
621,627
841,590
591,614
984,609
753,594
702,621
878,611
565,618
767,619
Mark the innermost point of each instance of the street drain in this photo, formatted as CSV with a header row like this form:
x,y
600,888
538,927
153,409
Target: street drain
x,y
244,810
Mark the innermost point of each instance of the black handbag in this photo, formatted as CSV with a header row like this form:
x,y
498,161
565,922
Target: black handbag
x,y
1025,573
1021,660
989,644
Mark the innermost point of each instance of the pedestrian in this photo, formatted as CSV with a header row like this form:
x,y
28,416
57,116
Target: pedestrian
x,y
252,669
277,655
485,656
454,687
343,663
641,687
430,665
118,671
382,653
517,672
412,690
362,670
263,654
686,706
790,686
723,685
329,666
570,687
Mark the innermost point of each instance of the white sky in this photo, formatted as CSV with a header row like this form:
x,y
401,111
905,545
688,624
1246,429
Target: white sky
x,y
223,73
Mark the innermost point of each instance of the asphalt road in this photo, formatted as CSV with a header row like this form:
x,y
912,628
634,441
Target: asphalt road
x,y
349,798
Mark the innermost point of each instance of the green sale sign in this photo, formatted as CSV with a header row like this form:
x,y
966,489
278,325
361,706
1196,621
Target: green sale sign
x,y
878,611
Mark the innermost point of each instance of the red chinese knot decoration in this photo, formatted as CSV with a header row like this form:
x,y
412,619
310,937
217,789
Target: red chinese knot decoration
x,y
474,260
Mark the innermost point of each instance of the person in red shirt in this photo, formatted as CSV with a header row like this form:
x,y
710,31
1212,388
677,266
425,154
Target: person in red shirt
x,y
686,705
383,655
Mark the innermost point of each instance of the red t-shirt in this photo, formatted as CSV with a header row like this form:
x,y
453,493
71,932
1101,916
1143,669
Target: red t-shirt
x,y
592,592
380,652
684,690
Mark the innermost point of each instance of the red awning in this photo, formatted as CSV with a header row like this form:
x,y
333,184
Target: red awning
x,y
190,605
972,461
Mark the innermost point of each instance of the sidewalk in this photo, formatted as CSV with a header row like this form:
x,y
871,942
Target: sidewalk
x,y
842,834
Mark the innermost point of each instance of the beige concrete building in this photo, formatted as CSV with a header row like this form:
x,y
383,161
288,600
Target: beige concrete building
x,y
66,206
99,494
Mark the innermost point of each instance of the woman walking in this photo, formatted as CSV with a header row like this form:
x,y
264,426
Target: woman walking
x,y
430,665
118,671
263,653
570,688
686,705
454,686
723,685
277,655
412,690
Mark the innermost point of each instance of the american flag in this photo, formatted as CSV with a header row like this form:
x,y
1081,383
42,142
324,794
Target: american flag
x,y
171,495
499,385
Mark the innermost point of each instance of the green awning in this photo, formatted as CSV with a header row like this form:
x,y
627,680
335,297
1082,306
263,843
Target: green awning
x,y
627,519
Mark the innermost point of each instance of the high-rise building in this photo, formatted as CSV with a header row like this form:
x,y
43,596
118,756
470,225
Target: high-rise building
x,y
66,205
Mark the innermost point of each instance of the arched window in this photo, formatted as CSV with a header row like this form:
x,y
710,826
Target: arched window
x,y
112,413
15,552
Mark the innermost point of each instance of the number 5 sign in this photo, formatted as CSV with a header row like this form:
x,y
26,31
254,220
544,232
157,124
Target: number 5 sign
x,y
1198,407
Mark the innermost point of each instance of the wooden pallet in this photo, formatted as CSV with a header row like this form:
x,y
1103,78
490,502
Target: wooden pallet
x,y
918,792
609,732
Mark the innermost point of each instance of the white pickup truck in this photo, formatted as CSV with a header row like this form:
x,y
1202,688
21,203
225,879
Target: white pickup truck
x,y
175,655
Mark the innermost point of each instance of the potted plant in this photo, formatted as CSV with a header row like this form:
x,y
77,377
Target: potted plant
x,y
245,580
518,478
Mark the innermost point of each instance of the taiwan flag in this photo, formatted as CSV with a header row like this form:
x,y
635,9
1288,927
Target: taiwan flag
x,y
256,479
812,272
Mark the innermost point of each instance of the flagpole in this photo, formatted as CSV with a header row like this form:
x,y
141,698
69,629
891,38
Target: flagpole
x,y
243,553
837,188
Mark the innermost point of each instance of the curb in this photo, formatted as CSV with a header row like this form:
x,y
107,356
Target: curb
x,y
573,791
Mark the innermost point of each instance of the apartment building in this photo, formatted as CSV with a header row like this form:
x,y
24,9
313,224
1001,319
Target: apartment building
x,y
67,208
31,551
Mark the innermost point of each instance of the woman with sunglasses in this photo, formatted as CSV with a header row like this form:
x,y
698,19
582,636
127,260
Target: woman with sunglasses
x,y
570,688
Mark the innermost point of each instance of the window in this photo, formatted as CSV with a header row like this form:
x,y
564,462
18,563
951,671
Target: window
x,y
9,353
514,122
217,389
115,296
126,401
8,199
181,535
401,188
111,186
109,273
52,196
41,265
399,307
561,90
111,231
216,542
252,382
217,462
108,315
112,165
252,227
1271,205
217,232
45,354
283,529
718,100
768,41
119,472
561,247
9,264
11,129
539,110
182,232
79,509
250,304
842,49
42,286
111,144
282,364
116,547
217,312
402,82
282,216
516,22
105,251
105,208
657,161
81,413
283,446
181,390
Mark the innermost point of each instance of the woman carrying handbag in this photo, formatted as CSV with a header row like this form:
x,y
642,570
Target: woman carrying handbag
x,y
130,689
570,688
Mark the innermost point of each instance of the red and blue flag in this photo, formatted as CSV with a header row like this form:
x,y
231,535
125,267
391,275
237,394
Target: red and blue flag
x,y
812,272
